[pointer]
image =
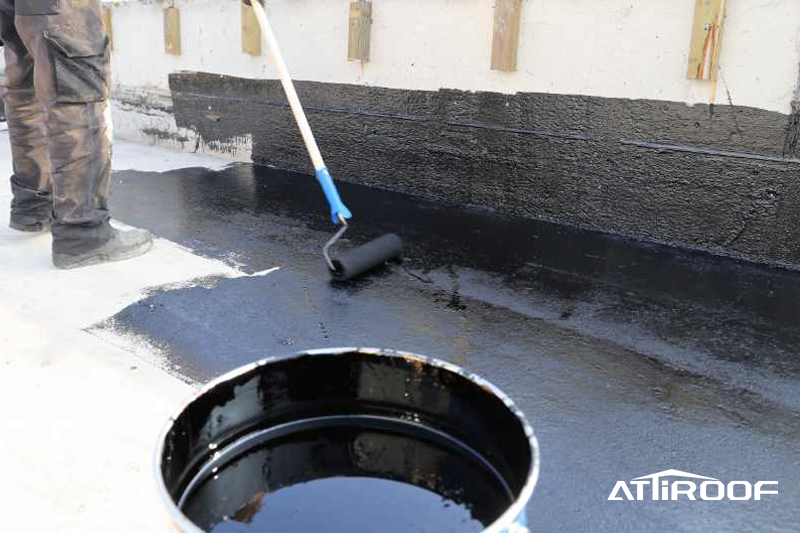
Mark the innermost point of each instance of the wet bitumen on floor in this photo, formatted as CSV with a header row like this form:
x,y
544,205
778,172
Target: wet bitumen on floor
x,y
628,358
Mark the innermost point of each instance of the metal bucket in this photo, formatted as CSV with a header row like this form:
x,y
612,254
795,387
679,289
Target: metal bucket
x,y
347,414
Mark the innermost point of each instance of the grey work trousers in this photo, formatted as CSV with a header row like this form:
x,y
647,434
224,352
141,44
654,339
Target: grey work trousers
x,y
56,99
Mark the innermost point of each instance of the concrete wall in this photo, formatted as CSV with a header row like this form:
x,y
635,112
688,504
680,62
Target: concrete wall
x,y
610,48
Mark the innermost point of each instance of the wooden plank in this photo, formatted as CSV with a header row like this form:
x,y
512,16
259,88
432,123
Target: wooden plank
x,y
172,31
106,14
715,56
358,42
251,32
706,39
507,15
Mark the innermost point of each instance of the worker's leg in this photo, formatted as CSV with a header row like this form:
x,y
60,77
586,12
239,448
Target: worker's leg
x,y
70,50
32,202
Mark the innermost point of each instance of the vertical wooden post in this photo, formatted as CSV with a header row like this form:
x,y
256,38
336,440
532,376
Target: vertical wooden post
x,y
251,31
358,42
106,14
507,15
172,31
706,39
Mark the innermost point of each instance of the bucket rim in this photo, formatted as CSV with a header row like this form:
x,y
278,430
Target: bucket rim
x,y
501,525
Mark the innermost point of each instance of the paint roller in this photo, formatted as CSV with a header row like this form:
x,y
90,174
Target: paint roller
x,y
358,260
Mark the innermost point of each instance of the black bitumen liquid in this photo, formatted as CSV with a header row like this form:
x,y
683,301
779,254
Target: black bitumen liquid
x,y
349,479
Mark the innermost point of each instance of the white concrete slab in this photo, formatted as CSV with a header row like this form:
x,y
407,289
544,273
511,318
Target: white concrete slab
x,y
79,427
129,155
81,413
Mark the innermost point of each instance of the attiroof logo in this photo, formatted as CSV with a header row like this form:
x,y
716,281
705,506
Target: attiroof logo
x,y
711,489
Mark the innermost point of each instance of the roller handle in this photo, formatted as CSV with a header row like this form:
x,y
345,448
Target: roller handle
x,y
338,209
332,194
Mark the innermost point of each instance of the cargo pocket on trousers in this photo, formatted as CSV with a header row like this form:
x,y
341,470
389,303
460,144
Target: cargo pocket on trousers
x,y
36,7
80,66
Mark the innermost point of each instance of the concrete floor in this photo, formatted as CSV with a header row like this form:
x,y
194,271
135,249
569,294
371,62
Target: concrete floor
x,y
82,416
629,359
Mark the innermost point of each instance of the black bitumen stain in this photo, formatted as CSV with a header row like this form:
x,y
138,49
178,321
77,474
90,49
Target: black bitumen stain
x,y
165,135
629,358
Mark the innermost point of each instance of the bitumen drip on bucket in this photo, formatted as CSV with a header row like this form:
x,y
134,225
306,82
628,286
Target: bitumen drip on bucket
x,y
350,479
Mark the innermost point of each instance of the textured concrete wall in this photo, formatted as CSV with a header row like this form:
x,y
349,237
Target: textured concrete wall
x,y
658,171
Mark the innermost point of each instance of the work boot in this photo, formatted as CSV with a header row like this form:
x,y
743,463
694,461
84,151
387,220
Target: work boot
x,y
31,226
122,245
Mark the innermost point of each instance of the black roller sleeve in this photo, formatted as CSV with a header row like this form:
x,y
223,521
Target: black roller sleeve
x,y
374,253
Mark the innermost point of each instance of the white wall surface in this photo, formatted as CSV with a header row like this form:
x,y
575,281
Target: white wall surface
x,y
611,48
